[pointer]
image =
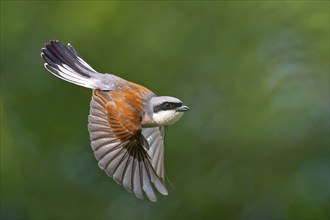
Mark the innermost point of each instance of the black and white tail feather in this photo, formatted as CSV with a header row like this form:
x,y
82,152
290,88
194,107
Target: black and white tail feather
x,y
65,63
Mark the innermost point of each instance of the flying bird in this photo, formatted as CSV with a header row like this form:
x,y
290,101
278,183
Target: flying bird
x,y
126,122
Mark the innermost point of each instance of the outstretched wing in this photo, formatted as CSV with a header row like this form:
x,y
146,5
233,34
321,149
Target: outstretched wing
x,y
120,147
156,137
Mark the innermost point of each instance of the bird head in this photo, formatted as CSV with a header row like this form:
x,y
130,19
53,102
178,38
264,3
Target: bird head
x,y
166,110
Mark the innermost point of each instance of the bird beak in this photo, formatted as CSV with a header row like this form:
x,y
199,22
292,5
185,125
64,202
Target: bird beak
x,y
182,108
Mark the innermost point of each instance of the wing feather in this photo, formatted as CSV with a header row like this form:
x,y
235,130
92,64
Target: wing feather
x,y
137,176
107,157
121,152
156,137
146,182
127,176
121,168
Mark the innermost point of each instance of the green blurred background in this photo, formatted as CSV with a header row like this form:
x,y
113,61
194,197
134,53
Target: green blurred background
x,y
255,74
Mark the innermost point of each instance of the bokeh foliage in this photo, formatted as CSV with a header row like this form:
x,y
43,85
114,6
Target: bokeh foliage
x,y
254,73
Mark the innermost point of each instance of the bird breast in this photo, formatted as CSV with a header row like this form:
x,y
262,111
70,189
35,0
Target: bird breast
x,y
165,118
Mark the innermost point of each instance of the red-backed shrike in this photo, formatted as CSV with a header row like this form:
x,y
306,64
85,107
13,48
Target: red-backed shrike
x,y
126,123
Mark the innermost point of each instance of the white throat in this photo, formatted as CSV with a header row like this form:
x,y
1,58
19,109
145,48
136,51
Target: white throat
x,y
165,118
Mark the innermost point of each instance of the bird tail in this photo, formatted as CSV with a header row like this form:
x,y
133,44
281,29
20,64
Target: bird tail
x,y
65,63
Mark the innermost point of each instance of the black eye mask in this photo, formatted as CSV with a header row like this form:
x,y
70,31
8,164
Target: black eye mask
x,y
167,106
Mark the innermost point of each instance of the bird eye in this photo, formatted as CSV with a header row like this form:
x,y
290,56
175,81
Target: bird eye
x,y
167,105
